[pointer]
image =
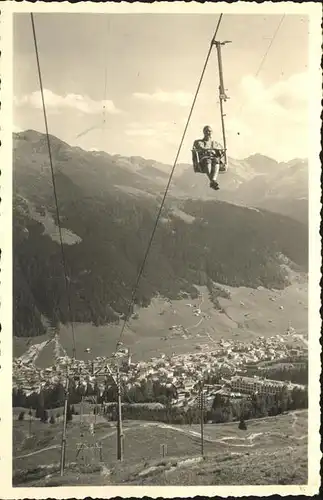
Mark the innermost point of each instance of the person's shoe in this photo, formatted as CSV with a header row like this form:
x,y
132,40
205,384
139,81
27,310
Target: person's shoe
x,y
214,185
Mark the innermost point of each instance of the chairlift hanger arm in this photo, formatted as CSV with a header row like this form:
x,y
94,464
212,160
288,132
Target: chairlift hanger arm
x,y
216,42
112,375
223,96
222,90
108,369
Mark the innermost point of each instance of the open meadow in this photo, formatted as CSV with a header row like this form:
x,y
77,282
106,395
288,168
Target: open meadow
x,y
283,439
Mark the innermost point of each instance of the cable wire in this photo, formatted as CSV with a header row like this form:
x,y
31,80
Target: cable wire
x,y
169,180
269,46
105,79
262,62
53,180
102,125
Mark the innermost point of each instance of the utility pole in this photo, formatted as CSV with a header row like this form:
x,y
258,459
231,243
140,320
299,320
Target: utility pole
x,y
119,421
222,94
81,411
63,445
95,409
30,416
117,382
201,403
163,448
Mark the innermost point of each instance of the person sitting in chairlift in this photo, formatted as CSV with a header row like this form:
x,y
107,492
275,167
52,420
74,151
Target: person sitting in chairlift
x,y
208,156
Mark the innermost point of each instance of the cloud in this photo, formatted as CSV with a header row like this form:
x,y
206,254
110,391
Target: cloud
x,y
297,87
272,119
16,129
289,96
179,98
56,103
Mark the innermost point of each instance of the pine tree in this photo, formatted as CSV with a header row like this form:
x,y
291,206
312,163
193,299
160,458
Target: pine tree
x,y
69,415
242,424
44,417
58,395
40,406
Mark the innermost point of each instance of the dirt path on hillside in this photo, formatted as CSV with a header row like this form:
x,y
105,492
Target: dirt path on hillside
x,y
201,320
248,441
53,447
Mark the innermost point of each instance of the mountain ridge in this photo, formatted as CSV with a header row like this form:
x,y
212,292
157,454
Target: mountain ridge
x,y
255,166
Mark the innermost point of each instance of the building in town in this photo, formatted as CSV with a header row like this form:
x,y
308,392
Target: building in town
x,y
252,385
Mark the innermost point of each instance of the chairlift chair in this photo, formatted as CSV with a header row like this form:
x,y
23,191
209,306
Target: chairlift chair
x,y
219,155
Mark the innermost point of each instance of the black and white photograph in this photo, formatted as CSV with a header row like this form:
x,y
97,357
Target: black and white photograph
x,y
164,204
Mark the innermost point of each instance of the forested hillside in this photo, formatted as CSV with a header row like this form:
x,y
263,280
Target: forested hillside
x,y
196,241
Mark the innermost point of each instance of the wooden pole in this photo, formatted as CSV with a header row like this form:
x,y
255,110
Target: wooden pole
x,y
30,415
81,411
119,422
202,419
63,445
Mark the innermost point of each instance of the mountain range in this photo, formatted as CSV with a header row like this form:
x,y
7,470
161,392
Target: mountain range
x,y
108,206
257,181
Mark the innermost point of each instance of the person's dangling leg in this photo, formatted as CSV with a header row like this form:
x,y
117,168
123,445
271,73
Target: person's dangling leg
x,y
214,171
211,169
207,167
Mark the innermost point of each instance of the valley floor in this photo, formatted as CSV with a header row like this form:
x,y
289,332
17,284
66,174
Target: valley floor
x,y
172,327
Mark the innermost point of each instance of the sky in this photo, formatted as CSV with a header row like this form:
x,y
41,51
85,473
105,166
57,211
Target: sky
x,y
124,83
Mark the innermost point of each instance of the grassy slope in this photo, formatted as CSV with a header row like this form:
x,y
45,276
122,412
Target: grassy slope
x,y
271,451
278,467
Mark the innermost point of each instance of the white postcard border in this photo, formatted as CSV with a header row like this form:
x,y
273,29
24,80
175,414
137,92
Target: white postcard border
x,y
7,10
